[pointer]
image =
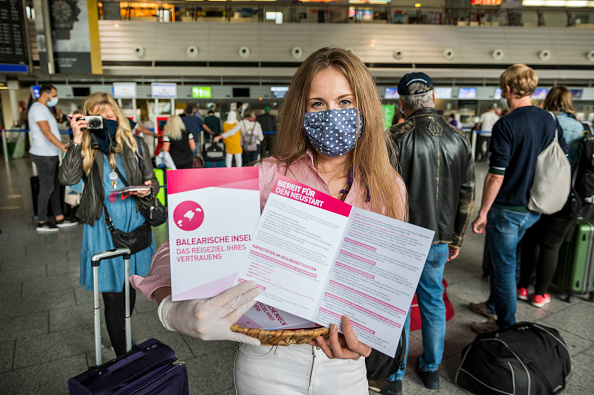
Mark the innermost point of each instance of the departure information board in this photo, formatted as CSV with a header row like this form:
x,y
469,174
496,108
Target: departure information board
x,y
12,30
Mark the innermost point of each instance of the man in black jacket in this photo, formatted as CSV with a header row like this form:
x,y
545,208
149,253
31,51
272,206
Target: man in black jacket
x,y
436,164
268,122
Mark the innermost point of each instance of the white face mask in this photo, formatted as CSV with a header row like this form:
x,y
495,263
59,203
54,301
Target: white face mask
x,y
504,104
52,102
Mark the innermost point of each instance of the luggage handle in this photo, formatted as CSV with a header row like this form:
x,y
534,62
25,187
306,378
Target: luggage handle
x,y
95,262
125,361
109,254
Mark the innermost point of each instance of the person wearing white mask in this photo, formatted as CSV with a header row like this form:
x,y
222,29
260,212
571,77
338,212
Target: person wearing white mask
x,y
46,146
232,138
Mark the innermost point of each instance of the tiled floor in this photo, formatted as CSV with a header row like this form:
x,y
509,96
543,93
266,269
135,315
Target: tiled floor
x,y
46,333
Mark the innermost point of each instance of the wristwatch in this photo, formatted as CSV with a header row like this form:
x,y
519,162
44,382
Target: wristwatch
x,y
63,15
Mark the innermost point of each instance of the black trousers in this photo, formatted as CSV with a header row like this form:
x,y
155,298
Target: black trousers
x,y
540,249
49,186
115,318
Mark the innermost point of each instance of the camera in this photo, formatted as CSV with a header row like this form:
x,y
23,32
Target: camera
x,y
94,122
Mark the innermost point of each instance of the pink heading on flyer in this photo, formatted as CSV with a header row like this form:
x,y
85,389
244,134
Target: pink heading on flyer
x,y
191,179
294,190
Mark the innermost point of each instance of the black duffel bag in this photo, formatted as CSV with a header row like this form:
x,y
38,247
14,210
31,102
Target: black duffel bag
x,y
526,358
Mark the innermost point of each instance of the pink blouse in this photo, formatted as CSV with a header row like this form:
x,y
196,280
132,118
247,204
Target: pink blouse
x,y
302,170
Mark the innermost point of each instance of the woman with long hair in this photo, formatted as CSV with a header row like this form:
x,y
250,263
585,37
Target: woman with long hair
x,y
542,242
103,157
178,142
331,138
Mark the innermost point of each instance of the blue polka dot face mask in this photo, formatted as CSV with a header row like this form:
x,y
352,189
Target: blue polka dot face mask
x,y
332,132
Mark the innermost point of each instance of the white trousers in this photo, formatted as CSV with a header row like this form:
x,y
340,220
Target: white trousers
x,y
228,160
296,370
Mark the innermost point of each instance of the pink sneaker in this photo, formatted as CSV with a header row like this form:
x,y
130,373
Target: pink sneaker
x,y
539,301
523,293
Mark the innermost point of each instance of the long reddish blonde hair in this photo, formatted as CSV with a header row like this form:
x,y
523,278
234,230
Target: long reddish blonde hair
x,y
371,157
96,105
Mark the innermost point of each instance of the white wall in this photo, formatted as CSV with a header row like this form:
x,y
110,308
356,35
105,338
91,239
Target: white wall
x,y
373,43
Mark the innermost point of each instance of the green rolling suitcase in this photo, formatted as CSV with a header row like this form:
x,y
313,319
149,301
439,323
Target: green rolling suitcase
x,y
576,260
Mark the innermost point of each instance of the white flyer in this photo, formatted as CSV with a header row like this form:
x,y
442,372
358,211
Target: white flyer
x,y
319,258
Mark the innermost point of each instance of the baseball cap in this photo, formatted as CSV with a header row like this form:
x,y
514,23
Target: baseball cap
x,y
266,108
411,78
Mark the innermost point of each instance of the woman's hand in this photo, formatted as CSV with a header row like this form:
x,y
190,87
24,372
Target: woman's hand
x,y
142,194
216,139
77,123
342,346
211,319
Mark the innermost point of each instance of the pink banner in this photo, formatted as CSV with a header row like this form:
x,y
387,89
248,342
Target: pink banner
x,y
294,190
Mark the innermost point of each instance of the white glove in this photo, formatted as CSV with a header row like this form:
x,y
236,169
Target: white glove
x,y
211,319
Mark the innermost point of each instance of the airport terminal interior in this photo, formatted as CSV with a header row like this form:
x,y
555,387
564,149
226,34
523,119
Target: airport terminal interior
x,y
158,58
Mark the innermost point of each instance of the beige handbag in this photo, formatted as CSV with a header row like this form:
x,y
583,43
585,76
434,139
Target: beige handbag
x,y
282,337
552,179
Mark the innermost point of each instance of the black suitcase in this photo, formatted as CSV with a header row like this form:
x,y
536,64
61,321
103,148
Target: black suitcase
x,y
148,368
526,358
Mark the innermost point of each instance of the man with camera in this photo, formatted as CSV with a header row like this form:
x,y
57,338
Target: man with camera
x,y
46,146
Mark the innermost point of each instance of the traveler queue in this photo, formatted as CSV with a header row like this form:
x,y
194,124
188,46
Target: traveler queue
x,y
439,179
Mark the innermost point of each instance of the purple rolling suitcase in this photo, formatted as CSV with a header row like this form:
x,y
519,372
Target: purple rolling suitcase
x,y
148,368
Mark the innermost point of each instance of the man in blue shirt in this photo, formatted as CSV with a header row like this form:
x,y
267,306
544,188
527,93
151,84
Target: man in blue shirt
x,y
517,140
194,125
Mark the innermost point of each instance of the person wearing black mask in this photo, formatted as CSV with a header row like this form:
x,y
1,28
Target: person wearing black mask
x,y
108,158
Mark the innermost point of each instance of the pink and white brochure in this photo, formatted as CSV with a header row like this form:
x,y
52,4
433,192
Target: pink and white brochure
x,y
212,215
319,258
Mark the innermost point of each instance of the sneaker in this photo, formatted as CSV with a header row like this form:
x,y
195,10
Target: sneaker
x,y
430,379
484,327
386,387
46,227
523,293
540,300
482,309
65,223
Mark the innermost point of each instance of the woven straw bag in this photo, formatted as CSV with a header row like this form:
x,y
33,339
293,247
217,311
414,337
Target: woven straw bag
x,y
282,337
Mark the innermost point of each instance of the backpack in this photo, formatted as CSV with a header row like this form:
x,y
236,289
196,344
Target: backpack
x,y
584,175
526,358
250,141
552,179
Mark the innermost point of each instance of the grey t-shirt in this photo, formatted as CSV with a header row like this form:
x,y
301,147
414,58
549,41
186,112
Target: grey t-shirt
x,y
40,145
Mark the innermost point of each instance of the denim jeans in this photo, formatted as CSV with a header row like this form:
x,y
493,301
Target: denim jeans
x,y
505,229
433,312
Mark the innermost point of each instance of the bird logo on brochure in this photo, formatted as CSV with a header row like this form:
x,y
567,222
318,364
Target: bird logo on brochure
x,y
188,215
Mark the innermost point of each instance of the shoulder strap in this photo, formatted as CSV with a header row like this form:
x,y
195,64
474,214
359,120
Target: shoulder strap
x,y
107,219
556,124
122,177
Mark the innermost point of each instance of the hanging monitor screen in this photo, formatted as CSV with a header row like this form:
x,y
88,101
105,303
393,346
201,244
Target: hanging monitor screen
x,y
241,92
201,92
576,93
540,94
164,90
124,90
391,93
467,93
443,93
497,95
81,91
35,89
279,91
